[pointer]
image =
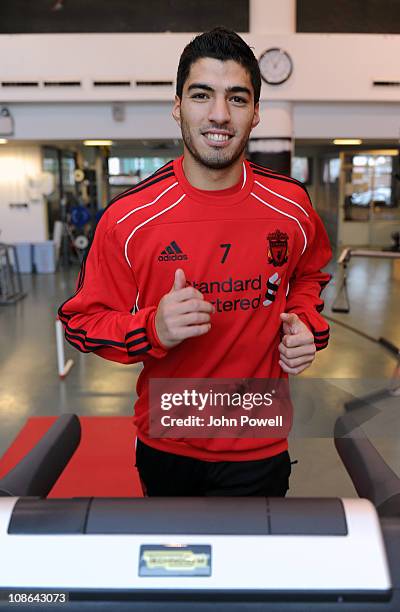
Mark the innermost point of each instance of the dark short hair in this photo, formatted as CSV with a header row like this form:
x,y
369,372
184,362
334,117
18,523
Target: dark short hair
x,y
221,44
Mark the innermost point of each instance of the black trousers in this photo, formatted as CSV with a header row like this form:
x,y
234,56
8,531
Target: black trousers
x,y
167,474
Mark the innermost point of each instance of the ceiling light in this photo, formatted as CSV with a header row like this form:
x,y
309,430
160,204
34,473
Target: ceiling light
x,y
97,143
347,141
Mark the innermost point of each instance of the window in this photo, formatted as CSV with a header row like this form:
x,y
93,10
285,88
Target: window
x,y
132,170
301,169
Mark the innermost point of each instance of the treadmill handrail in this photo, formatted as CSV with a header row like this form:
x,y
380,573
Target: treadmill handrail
x,y
372,477
36,474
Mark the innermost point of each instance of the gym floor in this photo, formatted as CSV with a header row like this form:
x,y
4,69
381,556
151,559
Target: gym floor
x,y
353,365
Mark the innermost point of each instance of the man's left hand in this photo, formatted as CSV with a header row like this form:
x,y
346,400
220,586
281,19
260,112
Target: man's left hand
x,y
297,349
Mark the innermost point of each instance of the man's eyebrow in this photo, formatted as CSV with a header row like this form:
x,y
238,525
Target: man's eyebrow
x,y
233,89
238,89
200,86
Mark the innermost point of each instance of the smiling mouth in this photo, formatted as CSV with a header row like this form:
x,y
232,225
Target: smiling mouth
x,y
217,138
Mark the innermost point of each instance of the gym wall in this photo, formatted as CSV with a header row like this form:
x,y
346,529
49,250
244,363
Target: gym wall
x,y
22,210
332,87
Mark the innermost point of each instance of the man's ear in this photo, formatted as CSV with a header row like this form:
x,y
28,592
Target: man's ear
x,y
176,110
256,116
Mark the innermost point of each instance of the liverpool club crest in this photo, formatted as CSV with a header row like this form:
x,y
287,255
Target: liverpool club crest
x,y
278,248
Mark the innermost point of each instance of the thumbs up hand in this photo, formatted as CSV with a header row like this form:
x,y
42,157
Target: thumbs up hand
x,y
297,348
182,313
179,280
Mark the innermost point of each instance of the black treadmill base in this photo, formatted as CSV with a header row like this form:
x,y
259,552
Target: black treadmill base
x,y
210,595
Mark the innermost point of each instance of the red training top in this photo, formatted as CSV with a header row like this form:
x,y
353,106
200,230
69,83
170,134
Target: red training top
x,y
254,250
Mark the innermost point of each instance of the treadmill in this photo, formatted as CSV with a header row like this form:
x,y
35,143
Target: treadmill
x,y
200,554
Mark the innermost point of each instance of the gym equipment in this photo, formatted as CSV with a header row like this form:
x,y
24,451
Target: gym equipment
x,y
395,246
193,548
10,278
167,554
62,365
372,477
344,307
80,216
39,470
344,261
81,242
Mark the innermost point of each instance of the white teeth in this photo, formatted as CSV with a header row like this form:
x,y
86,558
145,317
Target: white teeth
x,y
217,137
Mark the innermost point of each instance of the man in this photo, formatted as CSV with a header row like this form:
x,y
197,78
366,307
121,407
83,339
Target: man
x,y
173,276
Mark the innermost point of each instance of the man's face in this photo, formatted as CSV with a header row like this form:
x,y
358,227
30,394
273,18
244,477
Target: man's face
x,y
216,113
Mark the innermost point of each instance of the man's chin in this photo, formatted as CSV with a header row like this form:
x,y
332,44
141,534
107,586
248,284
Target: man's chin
x,y
217,162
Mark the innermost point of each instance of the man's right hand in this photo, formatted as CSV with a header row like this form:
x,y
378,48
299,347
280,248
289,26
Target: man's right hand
x,y
182,313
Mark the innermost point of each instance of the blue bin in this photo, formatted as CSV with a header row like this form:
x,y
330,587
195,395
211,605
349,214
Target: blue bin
x,y
44,257
24,254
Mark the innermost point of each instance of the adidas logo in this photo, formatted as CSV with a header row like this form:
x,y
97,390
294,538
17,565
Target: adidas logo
x,y
172,253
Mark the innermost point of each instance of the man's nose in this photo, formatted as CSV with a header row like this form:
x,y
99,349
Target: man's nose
x,y
219,111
